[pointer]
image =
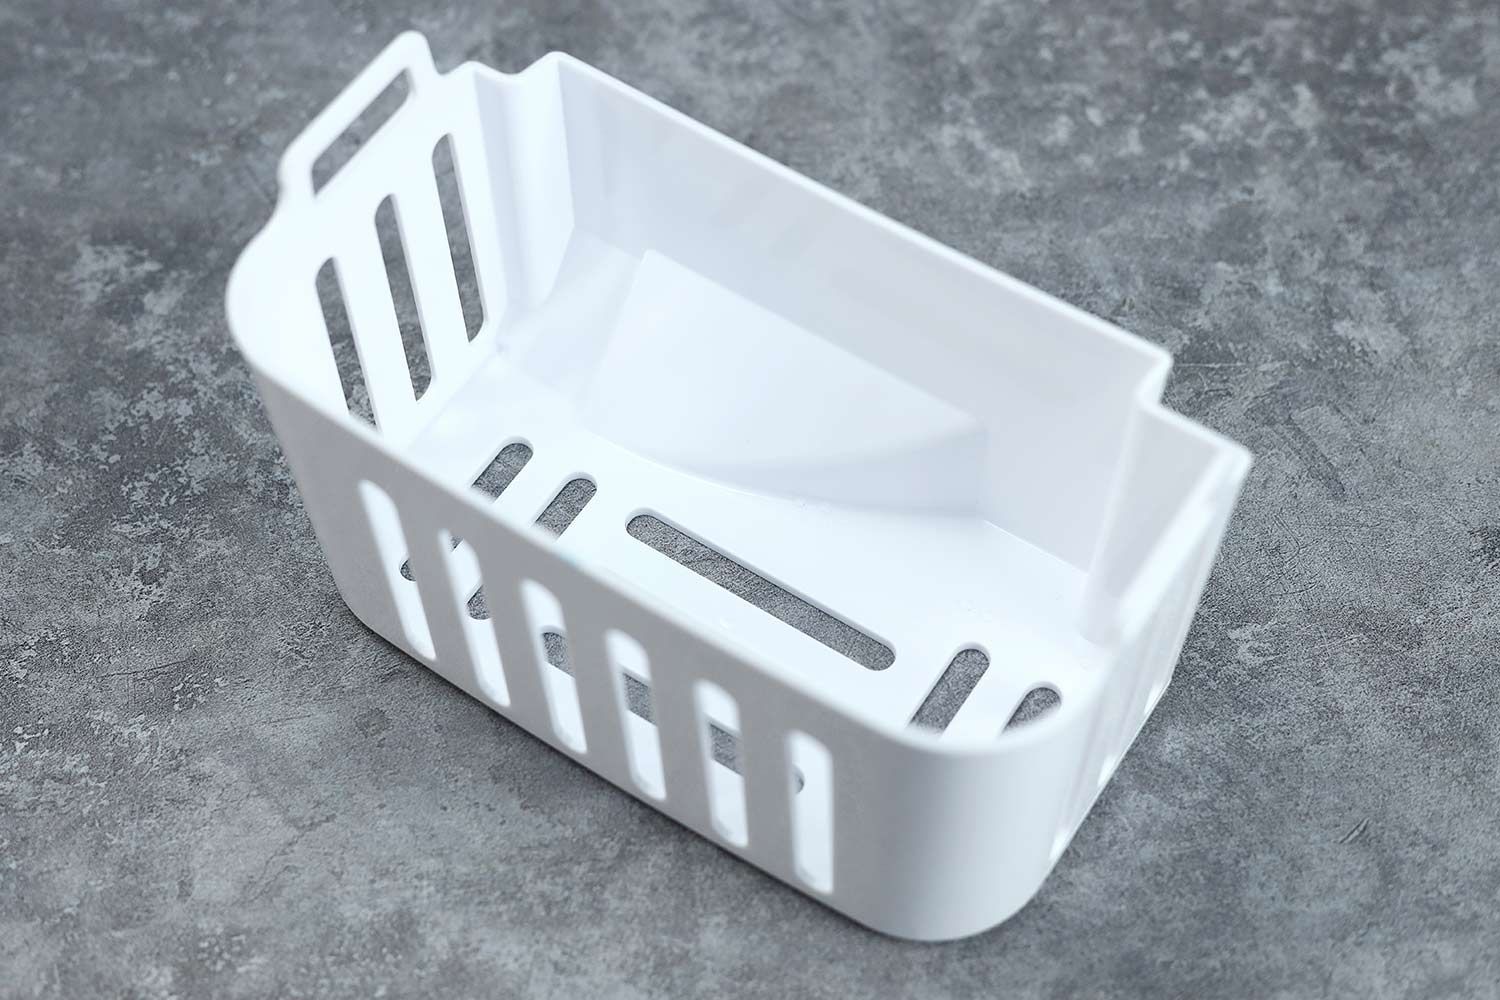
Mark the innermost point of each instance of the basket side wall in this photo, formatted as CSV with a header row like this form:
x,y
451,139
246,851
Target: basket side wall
x,y
926,841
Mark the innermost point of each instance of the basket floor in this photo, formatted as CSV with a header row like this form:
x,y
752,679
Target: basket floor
x,y
846,543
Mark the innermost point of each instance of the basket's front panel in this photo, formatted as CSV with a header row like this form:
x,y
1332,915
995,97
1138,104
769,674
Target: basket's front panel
x,y
894,832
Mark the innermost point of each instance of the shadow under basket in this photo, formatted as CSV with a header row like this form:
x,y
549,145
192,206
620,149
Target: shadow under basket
x,y
851,554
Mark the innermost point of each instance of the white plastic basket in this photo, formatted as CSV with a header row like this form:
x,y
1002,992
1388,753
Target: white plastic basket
x,y
924,455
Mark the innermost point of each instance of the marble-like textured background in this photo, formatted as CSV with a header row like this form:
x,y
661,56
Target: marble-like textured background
x,y
215,782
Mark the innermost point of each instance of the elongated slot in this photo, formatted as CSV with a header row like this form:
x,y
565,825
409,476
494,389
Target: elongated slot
x,y
398,274
719,712
642,741
754,589
812,810
724,742
455,219
503,469
1037,702
390,544
567,505
951,690
360,131
341,340
544,615
453,543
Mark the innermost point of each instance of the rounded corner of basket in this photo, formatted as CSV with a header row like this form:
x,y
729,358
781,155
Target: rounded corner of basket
x,y
375,618
239,304
959,921
245,306
1241,458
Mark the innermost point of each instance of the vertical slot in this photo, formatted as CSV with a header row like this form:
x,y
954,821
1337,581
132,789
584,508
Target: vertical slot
x,y
718,713
341,339
492,481
566,506
390,545
633,692
455,220
952,689
503,469
477,630
543,614
408,320
812,810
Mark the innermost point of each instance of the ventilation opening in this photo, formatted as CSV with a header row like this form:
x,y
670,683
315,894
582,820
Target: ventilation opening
x,y
450,193
483,646
544,615
503,469
726,745
390,544
719,713
812,812
754,589
360,131
500,473
341,340
951,690
406,574
398,274
566,506
1038,702
724,741
642,742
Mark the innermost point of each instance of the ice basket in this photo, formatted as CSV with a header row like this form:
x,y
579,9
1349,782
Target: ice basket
x,y
768,510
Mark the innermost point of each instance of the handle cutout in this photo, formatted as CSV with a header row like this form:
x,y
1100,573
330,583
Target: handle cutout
x,y
360,131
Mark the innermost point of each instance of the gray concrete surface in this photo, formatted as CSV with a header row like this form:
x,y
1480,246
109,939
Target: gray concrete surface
x,y
215,782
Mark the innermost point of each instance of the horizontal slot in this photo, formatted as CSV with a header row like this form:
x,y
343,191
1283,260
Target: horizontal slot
x,y
503,469
1039,701
756,590
951,690
406,563
350,141
566,506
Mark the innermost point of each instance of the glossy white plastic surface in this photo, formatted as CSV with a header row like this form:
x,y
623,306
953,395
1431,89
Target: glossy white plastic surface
x,y
931,452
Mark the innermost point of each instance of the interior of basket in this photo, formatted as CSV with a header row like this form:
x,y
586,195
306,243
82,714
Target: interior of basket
x,y
876,461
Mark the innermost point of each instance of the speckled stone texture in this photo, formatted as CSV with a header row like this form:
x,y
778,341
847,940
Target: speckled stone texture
x,y
215,783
